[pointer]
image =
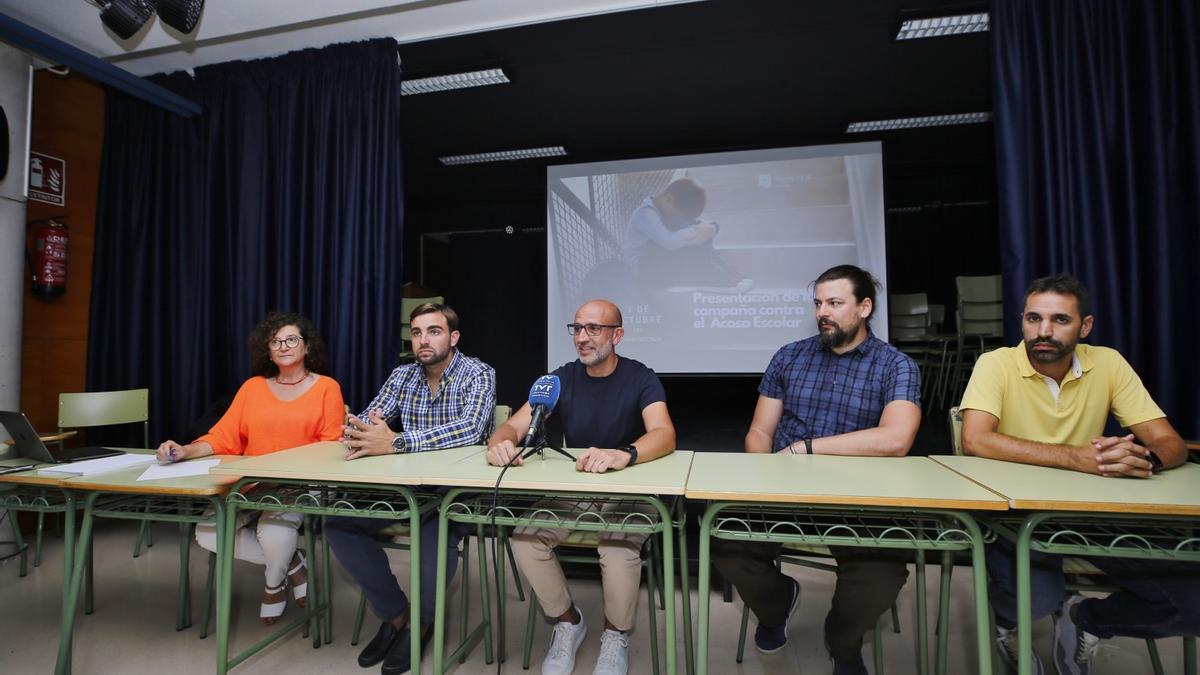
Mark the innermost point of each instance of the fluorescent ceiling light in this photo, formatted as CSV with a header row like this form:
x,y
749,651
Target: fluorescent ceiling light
x,y
475,78
504,155
939,26
917,122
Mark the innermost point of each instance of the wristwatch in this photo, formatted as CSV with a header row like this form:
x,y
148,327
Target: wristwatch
x,y
808,445
1156,464
398,444
632,450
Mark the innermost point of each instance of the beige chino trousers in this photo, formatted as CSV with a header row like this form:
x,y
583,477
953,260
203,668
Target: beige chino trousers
x,y
620,562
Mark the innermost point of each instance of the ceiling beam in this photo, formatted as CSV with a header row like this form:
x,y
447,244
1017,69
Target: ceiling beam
x,y
56,51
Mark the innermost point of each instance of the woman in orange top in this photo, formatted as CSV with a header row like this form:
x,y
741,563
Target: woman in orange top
x,y
288,404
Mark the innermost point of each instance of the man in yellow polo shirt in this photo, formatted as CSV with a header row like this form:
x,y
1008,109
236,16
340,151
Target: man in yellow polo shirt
x,y
1046,402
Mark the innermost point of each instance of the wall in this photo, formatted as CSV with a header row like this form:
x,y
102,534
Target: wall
x,y
68,122
14,97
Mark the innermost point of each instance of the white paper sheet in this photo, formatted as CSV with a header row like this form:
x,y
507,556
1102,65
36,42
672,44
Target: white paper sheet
x,y
99,465
195,467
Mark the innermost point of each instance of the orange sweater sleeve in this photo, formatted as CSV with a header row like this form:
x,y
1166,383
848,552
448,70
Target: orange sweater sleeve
x,y
333,413
227,437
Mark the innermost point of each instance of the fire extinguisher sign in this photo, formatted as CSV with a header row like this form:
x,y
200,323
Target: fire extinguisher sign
x,y
47,179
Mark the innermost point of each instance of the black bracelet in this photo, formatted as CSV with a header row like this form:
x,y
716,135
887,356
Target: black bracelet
x,y
808,445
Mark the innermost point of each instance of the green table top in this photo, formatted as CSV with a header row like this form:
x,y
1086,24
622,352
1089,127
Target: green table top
x,y
126,480
553,472
1174,492
37,478
327,462
914,482
30,477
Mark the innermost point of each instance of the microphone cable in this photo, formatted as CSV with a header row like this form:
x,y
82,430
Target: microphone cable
x,y
496,552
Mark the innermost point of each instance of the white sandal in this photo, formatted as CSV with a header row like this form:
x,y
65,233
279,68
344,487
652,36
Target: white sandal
x,y
269,612
299,591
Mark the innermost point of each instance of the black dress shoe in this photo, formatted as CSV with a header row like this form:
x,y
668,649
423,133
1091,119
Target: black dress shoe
x,y
378,647
397,661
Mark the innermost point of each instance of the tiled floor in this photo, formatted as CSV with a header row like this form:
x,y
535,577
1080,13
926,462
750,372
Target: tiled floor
x,y
132,630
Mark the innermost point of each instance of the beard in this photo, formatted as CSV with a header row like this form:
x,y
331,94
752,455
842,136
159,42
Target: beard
x,y
836,337
599,353
1061,350
434,358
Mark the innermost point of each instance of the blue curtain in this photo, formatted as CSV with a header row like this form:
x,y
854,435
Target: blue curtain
x,y
286,193
1097,109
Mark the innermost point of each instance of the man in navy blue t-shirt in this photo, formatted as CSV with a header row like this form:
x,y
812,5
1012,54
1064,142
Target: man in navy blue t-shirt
x,y
841,392
616,408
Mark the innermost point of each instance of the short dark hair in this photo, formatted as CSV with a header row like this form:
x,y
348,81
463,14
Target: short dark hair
x,y
689,197
1063,284
430,308
260,353
861,281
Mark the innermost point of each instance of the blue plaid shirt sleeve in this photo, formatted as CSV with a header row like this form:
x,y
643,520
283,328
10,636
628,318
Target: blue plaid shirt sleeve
x,y
772,382
903,381
469,427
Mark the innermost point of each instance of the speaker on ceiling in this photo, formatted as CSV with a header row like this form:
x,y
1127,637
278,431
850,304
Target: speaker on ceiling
x,y
3,143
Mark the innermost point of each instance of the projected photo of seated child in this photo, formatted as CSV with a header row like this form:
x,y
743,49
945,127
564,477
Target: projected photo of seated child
x,y
668,245
710,257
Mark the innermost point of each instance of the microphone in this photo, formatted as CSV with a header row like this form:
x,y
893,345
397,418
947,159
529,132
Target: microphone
x,y
543,396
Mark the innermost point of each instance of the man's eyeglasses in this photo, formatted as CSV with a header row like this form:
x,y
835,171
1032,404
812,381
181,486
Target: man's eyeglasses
x,y
292,341
592,329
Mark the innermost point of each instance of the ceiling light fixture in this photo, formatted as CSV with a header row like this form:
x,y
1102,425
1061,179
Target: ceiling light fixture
x,y
918,122
940,26
475,78
503,155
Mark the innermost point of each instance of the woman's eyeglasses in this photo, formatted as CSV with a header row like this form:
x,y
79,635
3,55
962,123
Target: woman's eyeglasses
x,y
292,341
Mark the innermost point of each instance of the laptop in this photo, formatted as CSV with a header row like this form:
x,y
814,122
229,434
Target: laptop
x,y
30,446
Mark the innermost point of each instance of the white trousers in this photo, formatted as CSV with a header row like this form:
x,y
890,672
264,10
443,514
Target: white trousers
x,y
264,538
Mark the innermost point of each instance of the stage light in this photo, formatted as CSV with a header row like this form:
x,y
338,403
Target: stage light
x,y
125,17
503,155
182,15
918,122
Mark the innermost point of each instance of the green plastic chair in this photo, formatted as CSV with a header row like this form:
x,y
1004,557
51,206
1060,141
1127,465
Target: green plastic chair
x,y
503,412
94,409
102,409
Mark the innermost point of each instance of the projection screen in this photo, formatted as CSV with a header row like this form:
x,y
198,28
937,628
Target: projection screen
x,y
711,257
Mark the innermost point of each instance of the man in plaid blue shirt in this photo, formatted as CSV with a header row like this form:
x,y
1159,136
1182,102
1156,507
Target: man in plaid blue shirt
x,y
841,392
444,400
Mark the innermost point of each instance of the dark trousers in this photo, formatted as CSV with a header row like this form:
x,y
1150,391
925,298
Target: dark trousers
x,y
1156,599
355,542
868,581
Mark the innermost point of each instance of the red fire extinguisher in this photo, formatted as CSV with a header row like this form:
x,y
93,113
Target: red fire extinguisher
x,y
50,240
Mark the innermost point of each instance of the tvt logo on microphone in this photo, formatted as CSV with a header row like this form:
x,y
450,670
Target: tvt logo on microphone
x,y
543,387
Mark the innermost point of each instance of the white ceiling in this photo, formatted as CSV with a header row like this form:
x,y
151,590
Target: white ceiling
x,y
247,29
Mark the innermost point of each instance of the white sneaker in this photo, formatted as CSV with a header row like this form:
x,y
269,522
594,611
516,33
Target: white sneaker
x,y
560,659
1006,640
614,654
